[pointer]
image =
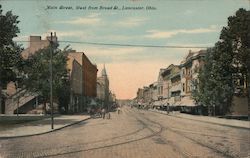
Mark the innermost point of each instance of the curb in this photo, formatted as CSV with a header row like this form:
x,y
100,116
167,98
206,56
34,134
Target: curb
x,y
50,131
246,128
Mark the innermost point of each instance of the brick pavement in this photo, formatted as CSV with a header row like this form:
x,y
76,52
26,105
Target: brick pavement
x,y
40,126
215,120
132,134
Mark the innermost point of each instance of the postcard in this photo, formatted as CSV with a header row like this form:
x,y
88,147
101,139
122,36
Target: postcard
x,y
124,78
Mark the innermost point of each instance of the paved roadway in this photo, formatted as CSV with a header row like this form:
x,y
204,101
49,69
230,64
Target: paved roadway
x,y
134,134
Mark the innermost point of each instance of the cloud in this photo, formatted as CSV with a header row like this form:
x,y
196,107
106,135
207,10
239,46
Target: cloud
x,y
21,38
167,34
91,19
131,22
114,52
188,12
118,37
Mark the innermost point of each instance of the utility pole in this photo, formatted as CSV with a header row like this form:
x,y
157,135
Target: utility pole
x,y
1,110
51,81
1,106
17,110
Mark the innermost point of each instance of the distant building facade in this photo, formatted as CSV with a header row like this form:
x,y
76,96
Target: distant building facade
x,y
103,92
83,81
36,43
160,84
189,75
153,91
171,84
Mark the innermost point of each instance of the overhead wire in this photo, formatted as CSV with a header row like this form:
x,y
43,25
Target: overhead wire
x,y
125,45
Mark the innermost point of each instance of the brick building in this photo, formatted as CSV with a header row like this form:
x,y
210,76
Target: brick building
x,y
83,81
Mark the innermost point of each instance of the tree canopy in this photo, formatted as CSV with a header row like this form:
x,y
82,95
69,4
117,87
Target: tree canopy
x,y
38,74
225,63
10,52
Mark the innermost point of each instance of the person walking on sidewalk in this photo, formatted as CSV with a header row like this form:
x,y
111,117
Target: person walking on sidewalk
x,y
118,110
103,113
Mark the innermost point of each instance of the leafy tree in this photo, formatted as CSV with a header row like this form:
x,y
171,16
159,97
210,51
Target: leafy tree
x,y
229,57
38,74
237,35
10,52
204,89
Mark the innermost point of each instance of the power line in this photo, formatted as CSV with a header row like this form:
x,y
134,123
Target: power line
x,y
128,45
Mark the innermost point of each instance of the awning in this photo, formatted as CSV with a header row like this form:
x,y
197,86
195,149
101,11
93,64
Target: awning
x,y
187,101
157,103
165,102
178,103
169,102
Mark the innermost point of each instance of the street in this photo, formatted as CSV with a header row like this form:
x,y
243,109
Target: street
x,y
133,134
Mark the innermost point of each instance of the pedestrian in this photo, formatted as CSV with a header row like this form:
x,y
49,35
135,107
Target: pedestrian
x,y
103,113
108,115
92,113
119,110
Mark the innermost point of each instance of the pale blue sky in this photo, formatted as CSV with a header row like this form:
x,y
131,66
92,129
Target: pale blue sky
x,y
174,22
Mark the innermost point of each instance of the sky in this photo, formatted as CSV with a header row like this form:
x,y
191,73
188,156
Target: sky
x,y
159,22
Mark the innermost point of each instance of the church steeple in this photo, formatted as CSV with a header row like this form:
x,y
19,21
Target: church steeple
x,y
104,73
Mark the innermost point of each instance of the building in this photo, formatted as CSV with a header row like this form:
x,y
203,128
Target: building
x,y
171,85
83,81
153,91
160,84
146,96
139,94
75,68
112,100
89,77
189,75
102,90
175,89
36,43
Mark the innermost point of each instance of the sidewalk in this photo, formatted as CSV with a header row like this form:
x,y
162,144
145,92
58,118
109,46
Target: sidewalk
x,y
208,119
40,126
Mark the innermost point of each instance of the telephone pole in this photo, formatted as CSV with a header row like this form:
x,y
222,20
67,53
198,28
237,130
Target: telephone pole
x,y
51,81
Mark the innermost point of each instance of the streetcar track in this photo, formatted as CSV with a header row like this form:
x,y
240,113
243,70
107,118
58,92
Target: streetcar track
x,y
210,135
137,131
154,133
142,120
41,152
217,150
172,144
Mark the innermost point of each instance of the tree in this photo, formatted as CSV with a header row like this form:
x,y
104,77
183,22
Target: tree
x,y
204,88
229,57
38,74
10,52
237,35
